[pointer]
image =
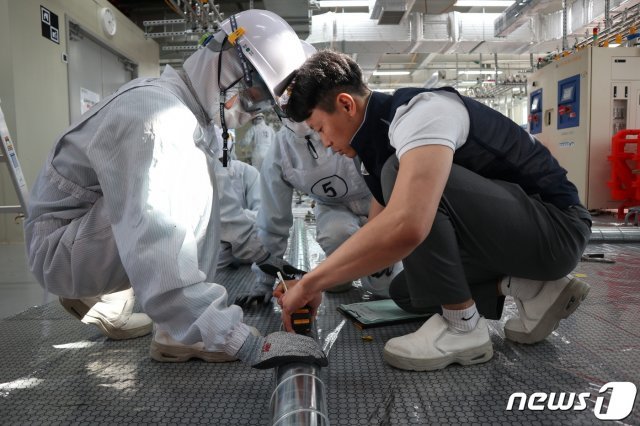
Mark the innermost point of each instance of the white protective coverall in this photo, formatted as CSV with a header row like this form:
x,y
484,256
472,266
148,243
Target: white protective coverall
x,y
342,198
260,135
238,186
128,195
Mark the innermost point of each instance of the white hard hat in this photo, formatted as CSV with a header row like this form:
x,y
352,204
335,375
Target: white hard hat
x,y
269,44
301,129
307,48
283,99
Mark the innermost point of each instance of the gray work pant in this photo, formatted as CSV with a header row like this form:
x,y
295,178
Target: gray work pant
x,y
485,230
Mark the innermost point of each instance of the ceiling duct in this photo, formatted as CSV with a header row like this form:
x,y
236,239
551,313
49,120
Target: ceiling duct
x,y
296,13
520,12
445,33
390,12
434,7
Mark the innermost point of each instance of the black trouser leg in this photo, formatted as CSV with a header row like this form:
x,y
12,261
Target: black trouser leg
x,y
484,230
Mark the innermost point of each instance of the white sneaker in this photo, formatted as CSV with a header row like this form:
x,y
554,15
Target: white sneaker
x,y
434,346
111,313
165,349
541,315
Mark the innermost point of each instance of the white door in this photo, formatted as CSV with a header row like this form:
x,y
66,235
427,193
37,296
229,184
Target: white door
x,y
94,71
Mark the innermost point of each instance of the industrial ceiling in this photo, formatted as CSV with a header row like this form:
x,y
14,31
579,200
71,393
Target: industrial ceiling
x,y
465,43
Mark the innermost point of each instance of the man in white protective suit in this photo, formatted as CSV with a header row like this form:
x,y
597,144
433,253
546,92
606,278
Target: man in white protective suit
x,y
298,160
239,192
127,202
260,137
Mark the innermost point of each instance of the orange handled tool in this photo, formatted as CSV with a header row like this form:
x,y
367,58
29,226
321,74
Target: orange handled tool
x,y
300,319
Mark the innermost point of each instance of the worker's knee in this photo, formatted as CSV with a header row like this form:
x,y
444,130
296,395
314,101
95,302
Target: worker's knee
x,y
334,233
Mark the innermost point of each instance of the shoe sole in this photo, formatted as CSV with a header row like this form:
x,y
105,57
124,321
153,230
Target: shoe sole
x,y
469,357
164,353
565,305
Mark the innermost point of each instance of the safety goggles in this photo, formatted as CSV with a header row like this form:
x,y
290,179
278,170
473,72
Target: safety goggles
x,y
282,101
254,98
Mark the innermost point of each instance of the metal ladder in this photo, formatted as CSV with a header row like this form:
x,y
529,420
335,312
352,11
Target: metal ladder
x,y
8,155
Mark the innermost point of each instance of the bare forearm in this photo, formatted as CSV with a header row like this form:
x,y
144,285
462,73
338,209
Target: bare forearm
x,y
371,249
398,228
375,208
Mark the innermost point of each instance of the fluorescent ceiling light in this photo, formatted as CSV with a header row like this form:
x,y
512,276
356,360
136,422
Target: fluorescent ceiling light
x,y
483,3
381,72
343,3
476,72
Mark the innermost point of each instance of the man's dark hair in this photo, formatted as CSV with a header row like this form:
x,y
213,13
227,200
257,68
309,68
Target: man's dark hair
x,y
317,82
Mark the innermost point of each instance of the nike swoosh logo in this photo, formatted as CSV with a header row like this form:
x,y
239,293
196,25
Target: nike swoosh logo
x,y
467,319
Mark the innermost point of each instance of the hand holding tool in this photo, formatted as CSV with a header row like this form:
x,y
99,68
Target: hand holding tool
x,y
301,318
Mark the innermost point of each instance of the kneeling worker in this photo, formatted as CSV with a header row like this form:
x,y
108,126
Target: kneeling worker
x,y
474,206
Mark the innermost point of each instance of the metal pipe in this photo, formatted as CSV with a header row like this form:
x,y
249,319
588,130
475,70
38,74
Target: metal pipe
x,y
299,397
564,25
615,234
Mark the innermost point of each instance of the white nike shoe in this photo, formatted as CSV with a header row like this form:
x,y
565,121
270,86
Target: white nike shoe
x,y
435,345
541,315
111,313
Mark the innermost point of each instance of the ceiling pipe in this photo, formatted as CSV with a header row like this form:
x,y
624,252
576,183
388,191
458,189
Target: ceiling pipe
x,y
564,25
518,13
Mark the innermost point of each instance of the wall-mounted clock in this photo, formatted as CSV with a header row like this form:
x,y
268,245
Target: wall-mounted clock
x,y
108,21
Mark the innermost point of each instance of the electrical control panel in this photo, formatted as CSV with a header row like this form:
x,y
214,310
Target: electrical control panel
x,y
589,96
569,102
535,112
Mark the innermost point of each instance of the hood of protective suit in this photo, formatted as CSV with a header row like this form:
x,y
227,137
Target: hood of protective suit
x,y
202,70
300,131
230,143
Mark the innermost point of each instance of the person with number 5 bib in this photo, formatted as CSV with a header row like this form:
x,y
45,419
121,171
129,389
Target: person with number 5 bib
x,y
297,160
